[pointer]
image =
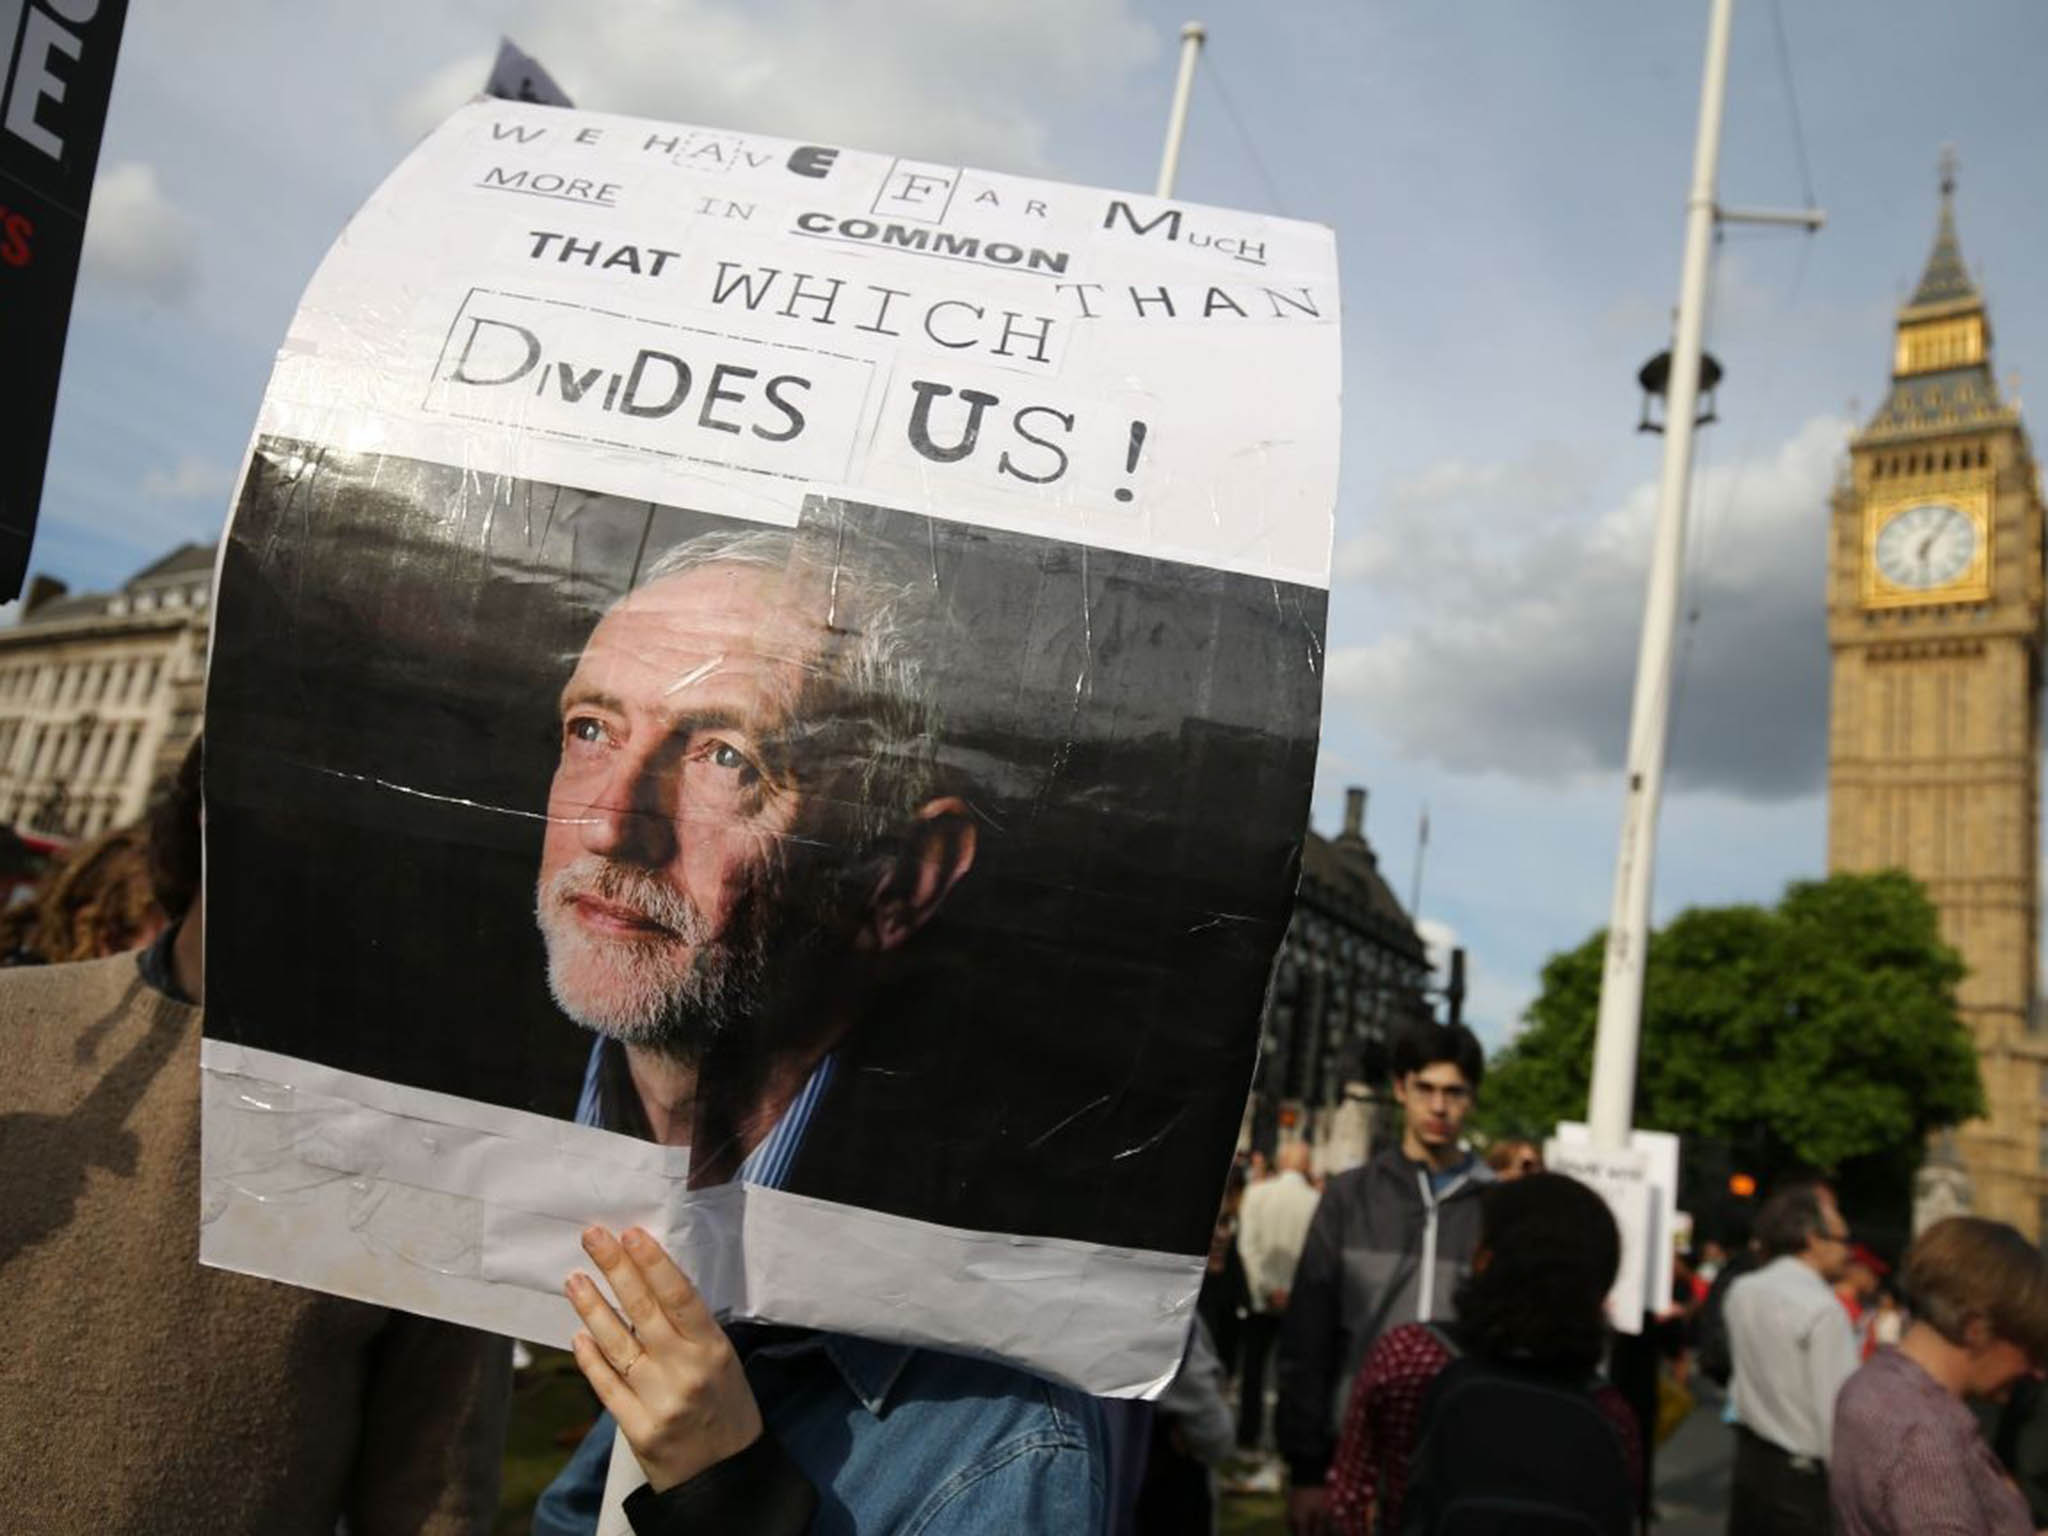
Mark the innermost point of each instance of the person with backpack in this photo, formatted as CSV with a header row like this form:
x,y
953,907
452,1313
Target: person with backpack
x,y
1500,1422
1388,1245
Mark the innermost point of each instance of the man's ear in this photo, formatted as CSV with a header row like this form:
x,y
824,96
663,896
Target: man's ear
x,y
937,851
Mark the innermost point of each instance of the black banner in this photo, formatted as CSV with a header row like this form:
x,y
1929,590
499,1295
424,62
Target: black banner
x,y
518,76
58,74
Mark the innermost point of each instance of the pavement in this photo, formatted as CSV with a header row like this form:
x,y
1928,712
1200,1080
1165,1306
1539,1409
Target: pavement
x,y
1692,1470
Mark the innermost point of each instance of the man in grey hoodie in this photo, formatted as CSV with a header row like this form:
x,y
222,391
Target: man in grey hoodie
x,y
1388,1245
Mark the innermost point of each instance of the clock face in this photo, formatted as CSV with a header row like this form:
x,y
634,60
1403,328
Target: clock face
x,y
1926,546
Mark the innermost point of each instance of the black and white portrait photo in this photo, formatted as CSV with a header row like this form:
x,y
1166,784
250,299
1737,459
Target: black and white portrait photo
x,y
879,858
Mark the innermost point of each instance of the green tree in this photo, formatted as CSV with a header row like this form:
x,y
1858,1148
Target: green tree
x,y
1818,1032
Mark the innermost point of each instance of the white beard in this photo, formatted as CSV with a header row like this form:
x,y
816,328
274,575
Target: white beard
x,y
675,992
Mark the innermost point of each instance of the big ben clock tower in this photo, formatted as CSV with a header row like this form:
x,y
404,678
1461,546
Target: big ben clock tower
x,y
1934,746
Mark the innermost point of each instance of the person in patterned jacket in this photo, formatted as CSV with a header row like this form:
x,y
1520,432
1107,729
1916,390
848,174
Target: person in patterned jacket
x,y
1535,1300
1908,1455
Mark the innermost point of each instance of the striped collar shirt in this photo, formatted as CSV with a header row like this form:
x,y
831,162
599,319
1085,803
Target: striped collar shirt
x,y
609,1103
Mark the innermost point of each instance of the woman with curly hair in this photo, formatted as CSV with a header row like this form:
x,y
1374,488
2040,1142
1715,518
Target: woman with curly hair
x,y
98,902
1532,1310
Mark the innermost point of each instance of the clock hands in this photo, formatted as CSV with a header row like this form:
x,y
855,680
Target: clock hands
x,y
1926,546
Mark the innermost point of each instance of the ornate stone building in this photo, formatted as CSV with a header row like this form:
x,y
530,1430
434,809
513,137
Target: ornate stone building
x,y
1935,624
100,695
1351,974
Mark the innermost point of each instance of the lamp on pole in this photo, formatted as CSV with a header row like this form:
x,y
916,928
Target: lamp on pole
x,y
1612,1100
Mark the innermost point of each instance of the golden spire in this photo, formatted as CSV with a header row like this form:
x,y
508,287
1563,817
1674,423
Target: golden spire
x,y
1947,279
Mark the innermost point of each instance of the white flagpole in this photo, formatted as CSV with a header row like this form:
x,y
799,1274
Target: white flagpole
x,y
1191,37
1628,931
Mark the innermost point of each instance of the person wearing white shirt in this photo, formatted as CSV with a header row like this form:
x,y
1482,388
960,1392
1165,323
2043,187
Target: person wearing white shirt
x,y
1272,1226
1793,1349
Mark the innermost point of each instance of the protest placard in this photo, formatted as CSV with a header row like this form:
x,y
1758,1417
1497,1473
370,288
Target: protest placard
x,y
1623,1177
1659,1239
56,75
771,692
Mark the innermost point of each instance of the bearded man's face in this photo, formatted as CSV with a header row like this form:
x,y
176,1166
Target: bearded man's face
x,y
665,890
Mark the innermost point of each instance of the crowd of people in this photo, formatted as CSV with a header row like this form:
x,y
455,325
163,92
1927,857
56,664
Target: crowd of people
x,y
1430,1331
1867,1407
1860,1401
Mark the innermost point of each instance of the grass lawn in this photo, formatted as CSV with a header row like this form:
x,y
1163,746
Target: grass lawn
x,y
1252,1514
549,1401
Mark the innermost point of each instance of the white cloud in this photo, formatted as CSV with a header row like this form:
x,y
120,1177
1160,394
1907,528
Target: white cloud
x,y
137,236
191,479
440,94
1438,940
1446,509
1495,1005
1520,656
959,83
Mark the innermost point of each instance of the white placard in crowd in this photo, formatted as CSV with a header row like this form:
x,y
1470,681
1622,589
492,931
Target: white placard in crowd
x,y
1622,1179
1660,1152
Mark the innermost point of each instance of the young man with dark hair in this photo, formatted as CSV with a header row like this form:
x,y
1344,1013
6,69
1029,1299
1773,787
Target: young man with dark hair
x,y
1389,1245
1793,1348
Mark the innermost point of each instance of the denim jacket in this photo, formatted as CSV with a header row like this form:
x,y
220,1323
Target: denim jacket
x,y
895,1439
911,1442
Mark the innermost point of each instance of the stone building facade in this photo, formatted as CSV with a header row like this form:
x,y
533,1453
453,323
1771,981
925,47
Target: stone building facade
x,y
1351,974
100,695
1935,608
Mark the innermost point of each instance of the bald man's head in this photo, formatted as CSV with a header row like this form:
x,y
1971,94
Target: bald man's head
x,y
1295,1158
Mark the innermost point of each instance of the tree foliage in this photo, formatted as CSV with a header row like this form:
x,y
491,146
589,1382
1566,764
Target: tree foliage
x,y
1823,1029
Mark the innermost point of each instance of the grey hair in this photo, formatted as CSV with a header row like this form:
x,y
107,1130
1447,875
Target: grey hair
x,y
869,705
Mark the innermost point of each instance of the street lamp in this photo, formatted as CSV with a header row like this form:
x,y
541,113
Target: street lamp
x,y
1655,377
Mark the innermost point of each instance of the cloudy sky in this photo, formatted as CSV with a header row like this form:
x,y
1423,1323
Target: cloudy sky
x,y
1506,181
